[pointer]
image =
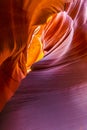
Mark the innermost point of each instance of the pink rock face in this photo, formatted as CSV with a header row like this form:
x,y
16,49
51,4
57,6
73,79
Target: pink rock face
x,y
53,96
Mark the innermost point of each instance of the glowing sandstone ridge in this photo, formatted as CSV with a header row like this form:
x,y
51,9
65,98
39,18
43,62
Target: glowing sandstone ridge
x,y
30,30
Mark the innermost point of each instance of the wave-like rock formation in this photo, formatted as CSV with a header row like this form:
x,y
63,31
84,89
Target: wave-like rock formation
x,y
45,42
